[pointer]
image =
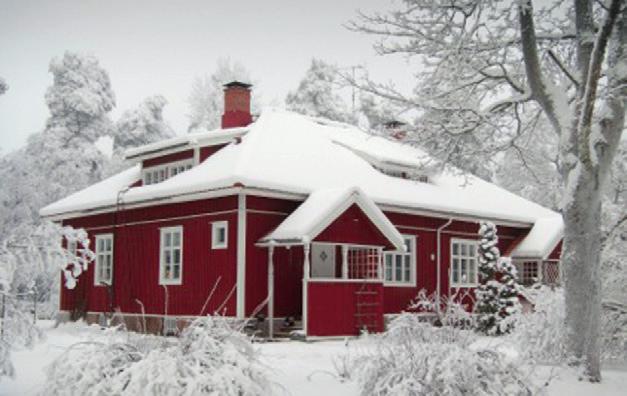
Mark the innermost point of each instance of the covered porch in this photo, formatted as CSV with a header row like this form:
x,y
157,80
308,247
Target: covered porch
x,y
343,235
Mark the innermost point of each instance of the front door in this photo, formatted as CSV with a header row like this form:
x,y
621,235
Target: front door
x,y
322,260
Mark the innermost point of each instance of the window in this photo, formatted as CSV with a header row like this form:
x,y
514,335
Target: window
x,y
400,267
171,256
219,235
464,263
528,272
104,259
157,174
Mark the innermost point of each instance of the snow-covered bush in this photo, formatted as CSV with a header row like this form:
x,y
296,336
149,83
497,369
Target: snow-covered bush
x,y
497,293
541,334
416,358
210,358
454,310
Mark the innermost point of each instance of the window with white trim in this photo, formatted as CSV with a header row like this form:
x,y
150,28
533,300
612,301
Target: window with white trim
x,y
104,260
400,267
171,256
219,234
159,173
464,271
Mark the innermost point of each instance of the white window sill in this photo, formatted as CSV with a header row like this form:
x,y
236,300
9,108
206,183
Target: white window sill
x,y
170,282
399,284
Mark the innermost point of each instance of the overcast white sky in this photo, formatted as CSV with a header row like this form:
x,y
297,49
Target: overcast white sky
x,y
158,47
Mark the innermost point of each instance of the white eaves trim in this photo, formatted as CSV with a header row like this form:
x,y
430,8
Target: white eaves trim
x,y
321,208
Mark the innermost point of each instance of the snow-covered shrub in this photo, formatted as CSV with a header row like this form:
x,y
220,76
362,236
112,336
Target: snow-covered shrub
x,y
416,358
210,358
497,293
541,334
454,311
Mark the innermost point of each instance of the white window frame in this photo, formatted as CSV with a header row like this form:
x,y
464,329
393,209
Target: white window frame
x,y
413,254
470,259
170,169
215,227
162,250
98,280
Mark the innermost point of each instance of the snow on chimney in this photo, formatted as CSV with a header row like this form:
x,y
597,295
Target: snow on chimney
x,y
236,105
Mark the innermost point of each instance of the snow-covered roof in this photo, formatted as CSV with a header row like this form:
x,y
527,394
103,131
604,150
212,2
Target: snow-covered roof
x,y
542,239
195,138
296,154
321,208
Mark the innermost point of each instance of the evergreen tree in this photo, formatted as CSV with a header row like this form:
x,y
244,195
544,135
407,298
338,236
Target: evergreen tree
x,y
497,293
3,86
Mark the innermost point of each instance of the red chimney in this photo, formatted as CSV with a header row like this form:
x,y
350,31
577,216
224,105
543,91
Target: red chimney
x,y
236,105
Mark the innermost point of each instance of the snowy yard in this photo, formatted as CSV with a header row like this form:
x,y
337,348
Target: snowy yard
x,y
297,368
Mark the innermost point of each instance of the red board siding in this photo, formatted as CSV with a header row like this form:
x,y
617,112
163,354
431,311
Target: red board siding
x,y
208,151
164,159
136,261
353,226
556,254
424,229
332,307
263,215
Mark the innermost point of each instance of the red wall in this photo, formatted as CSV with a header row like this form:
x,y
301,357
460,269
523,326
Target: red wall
x,y
397,298
136,259
331,307
208,151
353,226
164,159
262,216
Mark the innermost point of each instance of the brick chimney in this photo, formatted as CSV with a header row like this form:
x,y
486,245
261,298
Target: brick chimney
x,y
236,105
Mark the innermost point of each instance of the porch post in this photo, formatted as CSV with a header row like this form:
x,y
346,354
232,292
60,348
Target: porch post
x,y
344,261
270,291
540,265
306,271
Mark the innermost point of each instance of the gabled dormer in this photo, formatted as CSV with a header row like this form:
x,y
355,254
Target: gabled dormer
x,y
168,158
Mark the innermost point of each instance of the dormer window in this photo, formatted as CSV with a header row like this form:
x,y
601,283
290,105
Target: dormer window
x,y
159,173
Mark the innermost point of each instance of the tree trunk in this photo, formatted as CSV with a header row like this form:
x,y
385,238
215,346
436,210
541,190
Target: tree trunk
x,y
581,263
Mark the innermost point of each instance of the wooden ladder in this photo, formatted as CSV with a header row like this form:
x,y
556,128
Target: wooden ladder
x,y
366,308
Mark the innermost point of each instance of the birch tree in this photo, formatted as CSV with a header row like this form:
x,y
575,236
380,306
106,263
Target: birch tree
x,y
492,70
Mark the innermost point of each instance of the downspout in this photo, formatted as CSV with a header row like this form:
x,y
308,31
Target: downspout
x,y
119,205
439,263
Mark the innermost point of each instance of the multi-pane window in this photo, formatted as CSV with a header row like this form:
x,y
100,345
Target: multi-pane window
x,y
401,266
157,174
171,256
219,234
464,263
528,272
104,259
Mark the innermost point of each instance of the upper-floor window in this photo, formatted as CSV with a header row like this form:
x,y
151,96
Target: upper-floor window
x,y
171,256
104,259
159,173
219,234
464,271
400,267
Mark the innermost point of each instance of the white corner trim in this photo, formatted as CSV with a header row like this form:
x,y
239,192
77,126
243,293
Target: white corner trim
x,y
241,256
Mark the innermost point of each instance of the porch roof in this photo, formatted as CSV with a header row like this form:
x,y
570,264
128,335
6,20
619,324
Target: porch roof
x,y
321,208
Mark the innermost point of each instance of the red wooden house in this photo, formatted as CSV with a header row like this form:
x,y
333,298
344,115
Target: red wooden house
x,y
289,216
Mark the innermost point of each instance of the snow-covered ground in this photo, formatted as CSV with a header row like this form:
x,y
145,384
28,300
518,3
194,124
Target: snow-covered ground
x,y
298,368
